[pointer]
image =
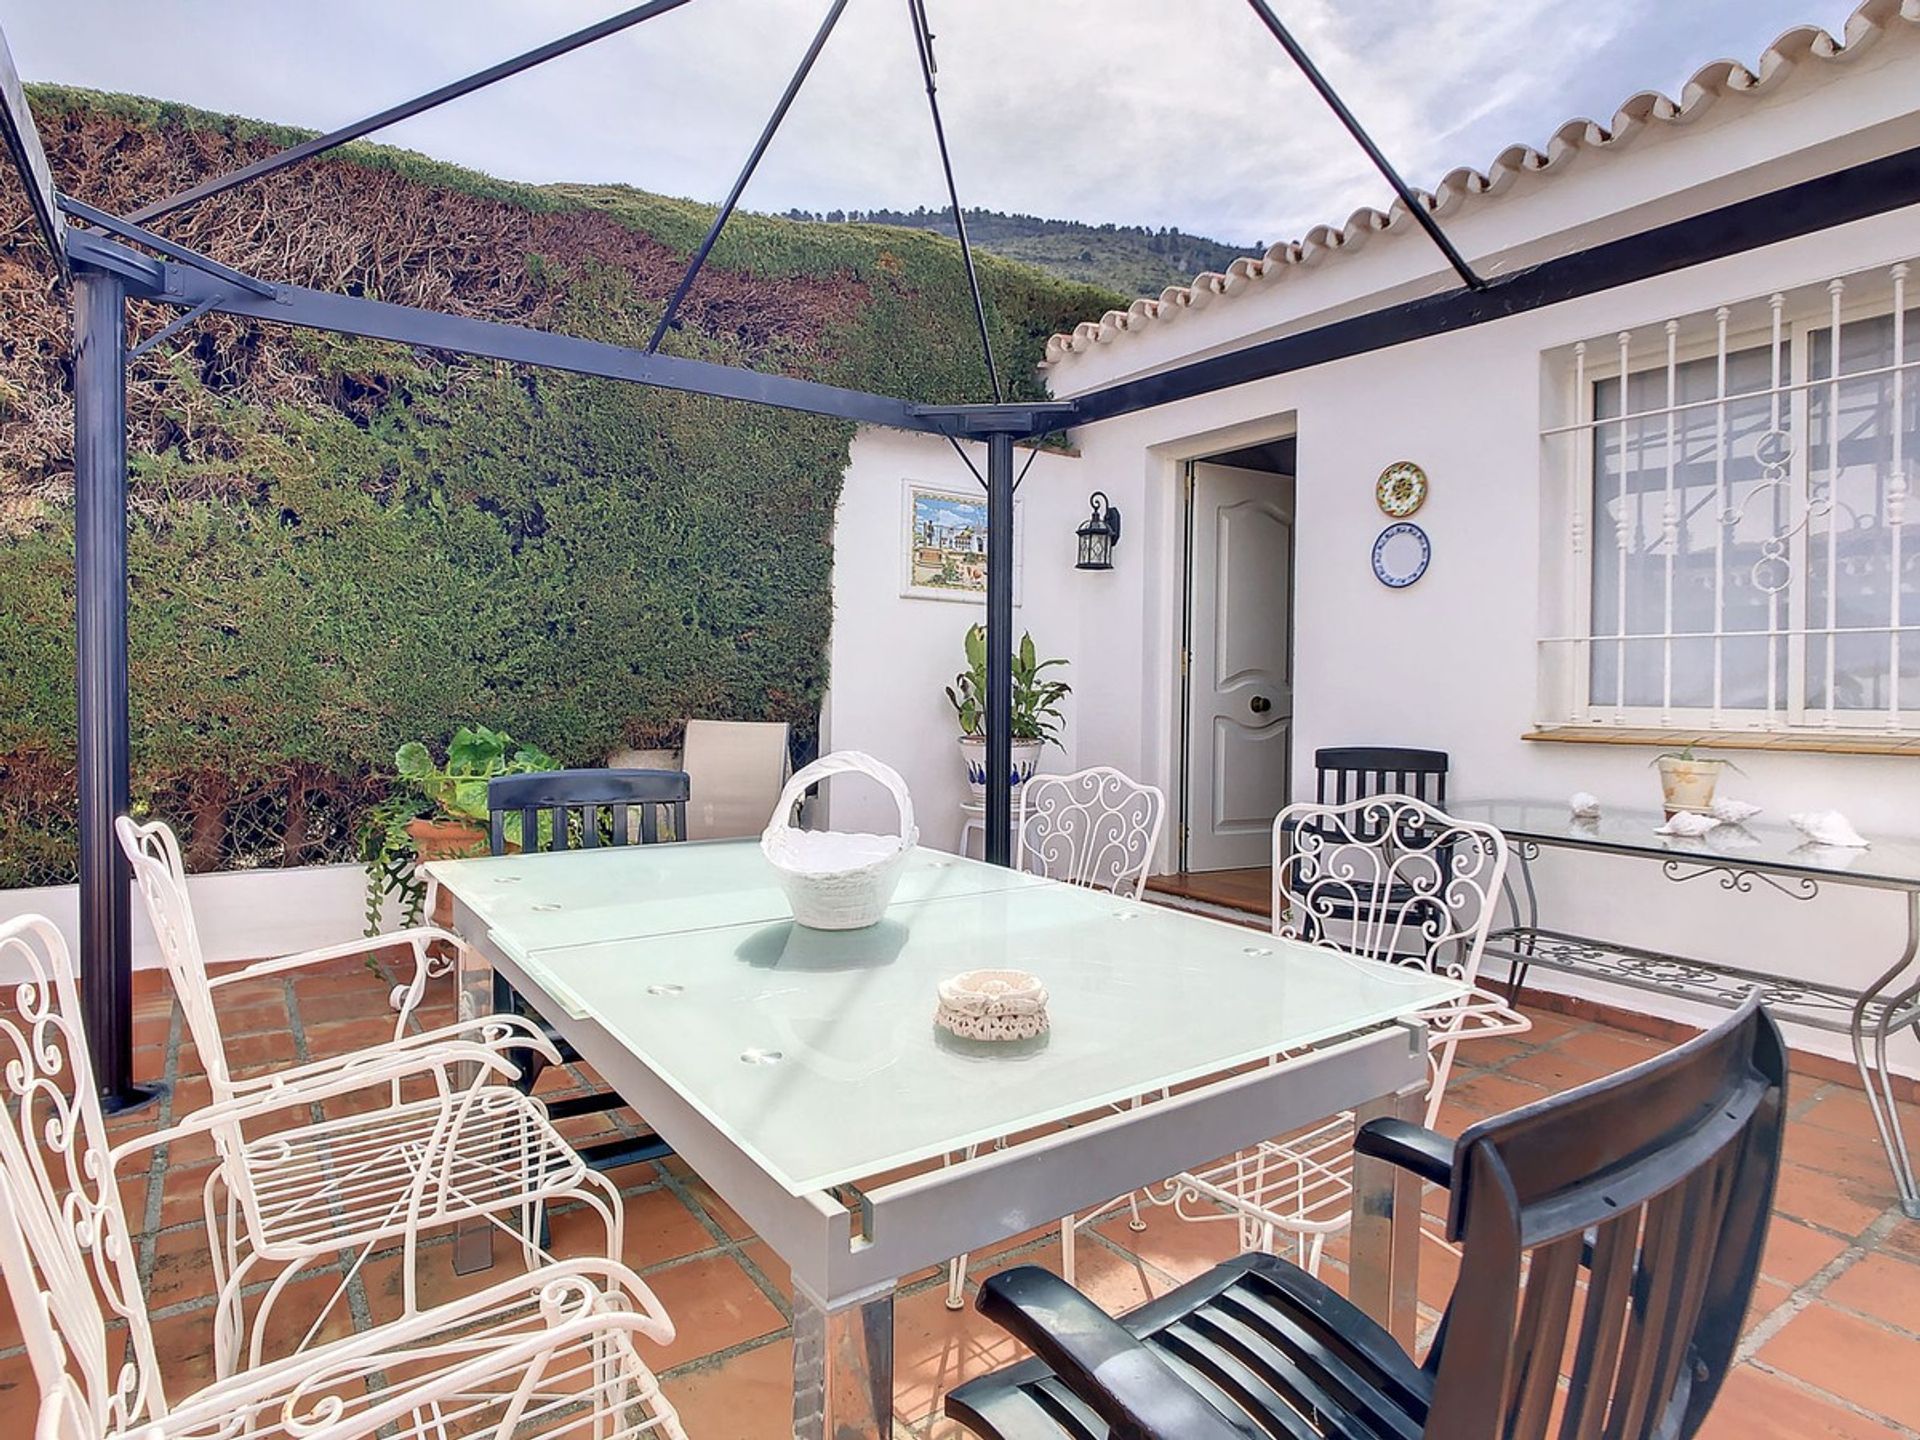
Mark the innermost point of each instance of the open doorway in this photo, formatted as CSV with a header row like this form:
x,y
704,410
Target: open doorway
x,y
1236,711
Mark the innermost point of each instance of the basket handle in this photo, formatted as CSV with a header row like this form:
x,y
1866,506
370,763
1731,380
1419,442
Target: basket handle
x,y
844,762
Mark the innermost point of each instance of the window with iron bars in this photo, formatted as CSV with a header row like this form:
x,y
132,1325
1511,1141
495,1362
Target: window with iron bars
x,y
1739,514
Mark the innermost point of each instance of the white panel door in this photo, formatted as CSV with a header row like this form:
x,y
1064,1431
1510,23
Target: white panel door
x,y
1240,664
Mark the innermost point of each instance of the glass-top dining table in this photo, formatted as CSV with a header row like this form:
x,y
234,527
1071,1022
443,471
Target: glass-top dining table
x,y
800,1074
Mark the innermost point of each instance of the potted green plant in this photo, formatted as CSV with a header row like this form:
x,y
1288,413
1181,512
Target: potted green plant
x,y
437,812
1687,780
1036,709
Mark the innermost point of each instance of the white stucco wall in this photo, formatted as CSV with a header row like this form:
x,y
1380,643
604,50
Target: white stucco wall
x,y
246,915
892,655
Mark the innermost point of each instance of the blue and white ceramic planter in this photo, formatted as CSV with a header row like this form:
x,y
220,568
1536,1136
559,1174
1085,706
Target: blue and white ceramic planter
x,y
973,750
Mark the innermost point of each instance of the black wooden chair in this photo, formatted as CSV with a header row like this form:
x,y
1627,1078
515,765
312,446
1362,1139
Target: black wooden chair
x,y
1353,772
1656,1183
1347,773
582,810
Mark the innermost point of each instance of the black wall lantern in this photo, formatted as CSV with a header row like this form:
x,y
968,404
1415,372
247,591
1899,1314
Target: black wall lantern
x,y
1099,535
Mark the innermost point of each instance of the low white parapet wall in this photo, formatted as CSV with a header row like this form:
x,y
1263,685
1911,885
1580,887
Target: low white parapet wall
x,y
242,915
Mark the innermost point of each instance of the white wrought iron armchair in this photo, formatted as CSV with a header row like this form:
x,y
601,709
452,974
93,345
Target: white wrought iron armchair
x,y
549,1353
438,1146
1094,827
1386,878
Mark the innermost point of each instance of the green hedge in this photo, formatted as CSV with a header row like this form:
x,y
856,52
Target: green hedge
x,y
341,545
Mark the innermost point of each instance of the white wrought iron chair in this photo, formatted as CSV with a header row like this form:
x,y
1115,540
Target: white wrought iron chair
x,y
1386,878
550,1353
437,1148
1094,827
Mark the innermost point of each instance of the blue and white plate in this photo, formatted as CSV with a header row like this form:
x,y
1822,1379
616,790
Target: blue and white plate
x,y
1401,554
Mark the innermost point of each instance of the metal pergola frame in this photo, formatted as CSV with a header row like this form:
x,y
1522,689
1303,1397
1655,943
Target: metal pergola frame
x,y
108,260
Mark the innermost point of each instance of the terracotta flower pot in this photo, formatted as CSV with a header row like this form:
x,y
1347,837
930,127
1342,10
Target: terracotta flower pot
x,y
1688,784
448,840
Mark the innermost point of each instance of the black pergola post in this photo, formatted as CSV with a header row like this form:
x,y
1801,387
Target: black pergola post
x,y
999,648
100,680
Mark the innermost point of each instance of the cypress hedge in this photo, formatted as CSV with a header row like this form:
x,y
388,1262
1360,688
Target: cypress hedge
x,y
340,545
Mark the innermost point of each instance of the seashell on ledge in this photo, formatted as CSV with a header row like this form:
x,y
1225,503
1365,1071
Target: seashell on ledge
x,y
1687,825
1828,827
1584,806
1733,812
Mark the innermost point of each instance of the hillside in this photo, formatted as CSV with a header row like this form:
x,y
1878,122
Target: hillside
x,y
1133,259
341,545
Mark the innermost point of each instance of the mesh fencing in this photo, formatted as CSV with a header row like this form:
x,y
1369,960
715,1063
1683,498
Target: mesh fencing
x,y
294,820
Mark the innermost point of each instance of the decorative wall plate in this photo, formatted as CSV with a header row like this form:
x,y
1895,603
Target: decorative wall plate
x,y
1401,489
1400,555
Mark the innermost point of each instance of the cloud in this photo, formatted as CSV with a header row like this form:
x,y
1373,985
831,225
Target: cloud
x,y
1163,112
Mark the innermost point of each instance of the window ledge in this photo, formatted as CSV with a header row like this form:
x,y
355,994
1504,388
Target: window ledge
x,y
1826,742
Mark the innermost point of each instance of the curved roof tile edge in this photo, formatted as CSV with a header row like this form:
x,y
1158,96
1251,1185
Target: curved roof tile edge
x,y
1463,185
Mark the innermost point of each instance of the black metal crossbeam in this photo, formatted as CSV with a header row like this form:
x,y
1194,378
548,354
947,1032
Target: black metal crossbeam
x,y
1354,128
725,212
393,115
188,285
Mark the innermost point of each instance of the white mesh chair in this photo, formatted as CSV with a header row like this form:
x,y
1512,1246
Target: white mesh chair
x,y
551,1353
1094,827
432,1147
1385,878
735,772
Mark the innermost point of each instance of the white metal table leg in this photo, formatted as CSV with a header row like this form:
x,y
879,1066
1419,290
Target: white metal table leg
x,y
1385,1264
1872,1021
843,1365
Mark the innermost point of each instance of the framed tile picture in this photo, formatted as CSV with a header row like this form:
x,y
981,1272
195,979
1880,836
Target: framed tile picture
x,y
943,543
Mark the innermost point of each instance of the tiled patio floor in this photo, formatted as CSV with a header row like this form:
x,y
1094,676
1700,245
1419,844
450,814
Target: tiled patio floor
x,y
1832,1349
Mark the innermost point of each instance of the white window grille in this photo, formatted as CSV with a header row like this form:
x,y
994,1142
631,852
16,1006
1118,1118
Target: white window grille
x,y
1742,553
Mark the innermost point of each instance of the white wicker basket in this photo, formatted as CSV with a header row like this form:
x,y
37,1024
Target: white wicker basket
x,y
834,880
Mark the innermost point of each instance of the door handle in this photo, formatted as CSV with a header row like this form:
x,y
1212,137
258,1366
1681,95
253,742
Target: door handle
x,y
1260,704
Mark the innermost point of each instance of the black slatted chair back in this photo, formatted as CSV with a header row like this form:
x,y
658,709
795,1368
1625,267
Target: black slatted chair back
x,y
1613,1233
1344,773
1654,1186
585,809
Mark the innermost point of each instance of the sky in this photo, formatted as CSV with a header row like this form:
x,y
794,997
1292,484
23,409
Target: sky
x,y
1176,113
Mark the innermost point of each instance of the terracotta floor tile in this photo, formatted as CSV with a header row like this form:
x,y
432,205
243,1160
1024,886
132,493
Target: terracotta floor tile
x,y
935,1349
1555,1069
1881,1286
1846,1110
777,1272
748,1396
1836,1152
1796,1253
716,1209
1768,1296
714,1305
1494,1094
1754,1405
1181,1248
1549,1024
1872,1366
1827,1200
19,1396
1609,1049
